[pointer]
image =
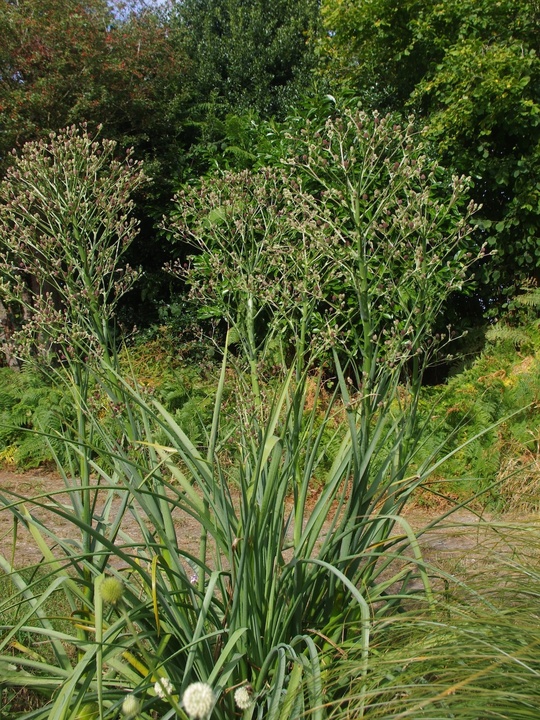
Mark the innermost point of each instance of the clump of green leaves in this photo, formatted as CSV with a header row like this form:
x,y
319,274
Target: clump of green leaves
x,y
33,416
276,576
488,415
520,324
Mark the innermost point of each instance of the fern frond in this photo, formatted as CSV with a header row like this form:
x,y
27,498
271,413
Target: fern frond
x,y
504,333
530,298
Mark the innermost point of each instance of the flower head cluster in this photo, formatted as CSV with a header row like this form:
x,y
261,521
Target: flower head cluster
x,y
112,590
131,706
198,700
243,697
163,687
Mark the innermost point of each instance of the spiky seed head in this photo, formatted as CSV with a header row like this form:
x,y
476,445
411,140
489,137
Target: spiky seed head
x,y
243,698
112,590
131,706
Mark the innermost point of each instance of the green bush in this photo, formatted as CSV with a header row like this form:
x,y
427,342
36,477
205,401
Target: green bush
x,y
500,390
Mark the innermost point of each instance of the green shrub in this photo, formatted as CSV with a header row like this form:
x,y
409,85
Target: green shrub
x,y
501,390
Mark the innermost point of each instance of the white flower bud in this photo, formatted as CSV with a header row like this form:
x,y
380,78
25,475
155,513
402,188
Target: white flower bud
x,y
243,698
198,700
163,687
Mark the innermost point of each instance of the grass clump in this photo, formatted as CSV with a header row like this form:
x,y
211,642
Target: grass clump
x,y
473,654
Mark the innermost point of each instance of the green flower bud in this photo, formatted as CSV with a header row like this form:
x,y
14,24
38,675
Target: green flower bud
x,y
111,590
131,706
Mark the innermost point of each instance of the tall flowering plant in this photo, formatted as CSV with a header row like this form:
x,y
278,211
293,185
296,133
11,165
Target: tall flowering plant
x,y
280,580
354,243
66,219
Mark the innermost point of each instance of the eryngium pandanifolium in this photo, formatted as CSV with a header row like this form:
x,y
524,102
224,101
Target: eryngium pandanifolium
x,y
198,700
131,706
243,698
112,590
163,687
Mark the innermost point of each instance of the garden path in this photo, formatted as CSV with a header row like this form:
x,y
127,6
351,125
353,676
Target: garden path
x,y
461,540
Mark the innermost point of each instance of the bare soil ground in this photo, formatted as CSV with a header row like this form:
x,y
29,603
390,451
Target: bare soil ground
x,y
42,489
462,540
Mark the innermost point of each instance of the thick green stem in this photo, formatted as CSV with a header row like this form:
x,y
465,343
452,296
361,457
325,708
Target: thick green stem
x,y
252,350
362,285
301,349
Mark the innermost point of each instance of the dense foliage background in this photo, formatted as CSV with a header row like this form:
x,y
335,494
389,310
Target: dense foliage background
x,y
200,86
205,90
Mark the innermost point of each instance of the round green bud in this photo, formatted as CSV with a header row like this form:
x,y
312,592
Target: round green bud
x,y
111,590
131,706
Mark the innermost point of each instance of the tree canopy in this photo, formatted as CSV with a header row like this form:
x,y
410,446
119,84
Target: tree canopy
x,y
471,70
83,60
249,54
